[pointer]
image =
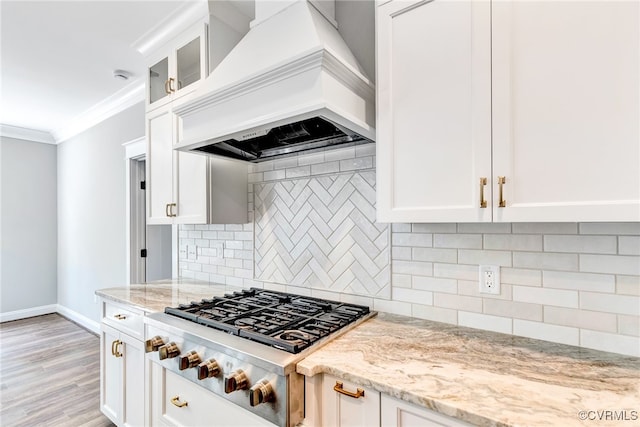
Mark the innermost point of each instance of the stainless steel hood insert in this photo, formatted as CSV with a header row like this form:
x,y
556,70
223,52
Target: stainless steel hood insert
x,y
290,85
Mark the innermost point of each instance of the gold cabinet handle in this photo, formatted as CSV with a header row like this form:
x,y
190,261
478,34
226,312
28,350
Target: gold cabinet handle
x,y
171,88
483,183
167,88
339,388
166,210
120,316
114,348
501,181
171,206
175,400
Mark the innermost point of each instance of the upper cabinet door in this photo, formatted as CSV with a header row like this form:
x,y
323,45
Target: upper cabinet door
x,y
434,111
566,110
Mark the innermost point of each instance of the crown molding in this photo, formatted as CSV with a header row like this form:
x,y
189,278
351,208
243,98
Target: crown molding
x,y
26,134
174,24
110,106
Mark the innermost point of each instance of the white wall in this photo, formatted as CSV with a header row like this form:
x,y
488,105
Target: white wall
x,y
91,210
28,217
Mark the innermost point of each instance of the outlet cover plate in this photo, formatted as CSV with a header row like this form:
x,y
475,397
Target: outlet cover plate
x,y
489,279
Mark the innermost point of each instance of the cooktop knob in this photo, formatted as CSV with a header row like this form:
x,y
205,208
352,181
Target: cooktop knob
x,y
208,369
236,381
153,344
260,393
168,351
189,360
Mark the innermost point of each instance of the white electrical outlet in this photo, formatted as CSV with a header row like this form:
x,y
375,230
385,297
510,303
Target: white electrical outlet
x,y
489,280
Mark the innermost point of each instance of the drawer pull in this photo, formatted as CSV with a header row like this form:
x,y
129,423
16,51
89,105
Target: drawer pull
x,y
501,181
483,202
120,316
114,348
175,400
339,388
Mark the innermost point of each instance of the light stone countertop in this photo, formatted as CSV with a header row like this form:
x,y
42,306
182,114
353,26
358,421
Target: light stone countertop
x,y
484,378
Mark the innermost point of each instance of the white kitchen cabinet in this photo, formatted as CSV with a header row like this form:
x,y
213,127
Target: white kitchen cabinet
x,y
345,404
544,94
176,401
398,413
121,377
186,188
177,68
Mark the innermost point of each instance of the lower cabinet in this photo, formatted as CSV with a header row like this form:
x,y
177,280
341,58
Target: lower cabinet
x,y
122,377
176,401
333,402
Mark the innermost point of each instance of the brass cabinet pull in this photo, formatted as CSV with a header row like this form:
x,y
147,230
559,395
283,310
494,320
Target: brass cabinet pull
x,y
483,183
171,88
167,86
114,348
176,402
120,316
166,210
502,203
339,388
171,206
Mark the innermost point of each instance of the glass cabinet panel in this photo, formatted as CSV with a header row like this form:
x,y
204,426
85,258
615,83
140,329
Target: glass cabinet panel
x,y
188,60
158,76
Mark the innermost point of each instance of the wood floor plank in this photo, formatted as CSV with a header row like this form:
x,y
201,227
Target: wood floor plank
x,y
49,374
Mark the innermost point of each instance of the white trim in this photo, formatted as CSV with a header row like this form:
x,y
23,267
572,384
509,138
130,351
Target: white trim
x,y
80,319
28,312
34,135
173,25
134,150
108,107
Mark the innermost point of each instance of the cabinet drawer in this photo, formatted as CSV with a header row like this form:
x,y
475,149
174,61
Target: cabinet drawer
x,y
346,404
183,403
123,319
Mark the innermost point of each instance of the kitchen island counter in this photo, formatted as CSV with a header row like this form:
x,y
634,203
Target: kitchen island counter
x,y
484,378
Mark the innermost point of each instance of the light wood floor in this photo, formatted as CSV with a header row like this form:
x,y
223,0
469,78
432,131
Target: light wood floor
x,y
49,374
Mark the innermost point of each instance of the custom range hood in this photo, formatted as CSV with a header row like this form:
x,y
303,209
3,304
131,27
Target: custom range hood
x,y
290,85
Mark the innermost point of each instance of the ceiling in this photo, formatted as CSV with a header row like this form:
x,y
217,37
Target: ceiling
x,y
57,58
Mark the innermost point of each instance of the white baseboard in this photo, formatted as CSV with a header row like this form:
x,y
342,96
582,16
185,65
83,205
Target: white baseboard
x,y
80,319
28,312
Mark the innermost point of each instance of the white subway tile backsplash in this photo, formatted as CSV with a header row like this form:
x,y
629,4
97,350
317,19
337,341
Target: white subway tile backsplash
x,y
629,325
394,307
543,331
401,280
546,261
612,228
340,154
629,245
579,281
556,297
401,253
628,285
298,172
285,163
325,168
485,321
545,228
456,271
615,264
435,255
610,342
422,240
412,296
479,257
210,235
583,319
457,302
311,159
365,150
514,242
621,304
356,164
273,175
434,284
512,309
256,177
520,276
484,227
433,228
581,244
436,314
468,287
457,241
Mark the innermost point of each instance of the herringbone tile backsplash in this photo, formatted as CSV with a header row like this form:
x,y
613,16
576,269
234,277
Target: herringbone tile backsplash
x,y
321,233
312,231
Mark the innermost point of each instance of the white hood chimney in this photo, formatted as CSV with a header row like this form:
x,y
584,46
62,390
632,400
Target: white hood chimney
x,y
291,84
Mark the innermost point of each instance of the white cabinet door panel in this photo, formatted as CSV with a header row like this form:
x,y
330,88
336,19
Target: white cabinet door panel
x,y
434,110
159,165
339,410
566,108
397,413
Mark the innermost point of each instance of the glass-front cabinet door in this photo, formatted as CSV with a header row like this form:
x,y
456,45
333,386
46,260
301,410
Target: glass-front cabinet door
x,y
159,80
176,69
